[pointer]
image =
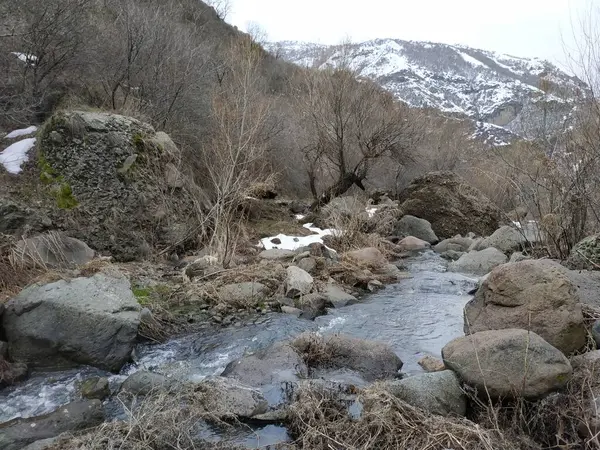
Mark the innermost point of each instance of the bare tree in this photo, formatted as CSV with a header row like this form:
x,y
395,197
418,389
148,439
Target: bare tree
x,y
221,7
351,124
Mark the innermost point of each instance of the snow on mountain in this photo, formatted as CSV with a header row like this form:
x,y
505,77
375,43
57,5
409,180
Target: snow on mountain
x,y
503,94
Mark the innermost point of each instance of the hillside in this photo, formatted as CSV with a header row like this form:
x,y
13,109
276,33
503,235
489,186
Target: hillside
x,y
493,89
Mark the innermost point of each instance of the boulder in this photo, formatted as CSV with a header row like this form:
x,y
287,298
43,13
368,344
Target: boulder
x,y
227,398
506,239
277,254
54,250
246,293
298,282
585,255
75,416
439,393
276,364
94,388
478,262
412,244
309,264
518,257
337,296
312,305
90,321
291,310
11,373
43,444
371,359
452,255
532,295
92,162
508,363
450,204
588,360
457,244
419,228
369,257
431,364
144,382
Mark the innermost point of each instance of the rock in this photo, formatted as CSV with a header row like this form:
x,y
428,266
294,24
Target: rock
x,y
54,250
247,293
94,388
312,306
277,254
478,262
452,255
587,283
276,364
11,373
3,348
319,250
585,255
298,282
596,333
450,205
374,285
200,266
588,360
506,239
276,241
226,398
88,164
369,257
412,244
291,310
508,363
371,359
144,383
431,364
518,257
337,297
457,244
532,295
82,321
419,228
173,176
43,444
78,415
439,393
309,264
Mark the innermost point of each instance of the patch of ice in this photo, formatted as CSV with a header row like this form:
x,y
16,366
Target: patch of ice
x,y
13,157
300,216
22,132
295,242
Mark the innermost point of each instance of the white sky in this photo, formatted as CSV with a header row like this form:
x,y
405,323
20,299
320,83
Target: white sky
x,y
517,27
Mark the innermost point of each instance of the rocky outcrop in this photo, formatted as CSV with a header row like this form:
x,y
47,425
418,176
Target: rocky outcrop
x,y
439,393
81,321
112,170
532,295
478,262
276,364
371,359
78,415
506,239
54,250
450,205
413,226
508,363
585,255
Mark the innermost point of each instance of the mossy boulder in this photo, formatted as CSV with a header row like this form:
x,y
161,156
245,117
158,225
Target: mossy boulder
x,y
586,254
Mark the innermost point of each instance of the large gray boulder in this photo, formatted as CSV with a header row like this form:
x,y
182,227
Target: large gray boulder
x,y
371,359
277,254
247,293
532,295
457,244
227,398
450,204
81,321
478,262
508,363
412,244
298,282
413,226
75,416
370,257
276,364
54,250
439,392
506,239
144,382
337,296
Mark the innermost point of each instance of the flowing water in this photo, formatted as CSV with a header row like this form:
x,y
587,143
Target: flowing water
x,y
416,317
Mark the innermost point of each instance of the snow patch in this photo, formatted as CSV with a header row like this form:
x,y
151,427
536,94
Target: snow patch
x,y
26,58
13,157
295,242
471,60
22,132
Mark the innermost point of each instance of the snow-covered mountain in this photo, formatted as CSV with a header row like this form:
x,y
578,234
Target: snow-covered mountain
x,y
504,95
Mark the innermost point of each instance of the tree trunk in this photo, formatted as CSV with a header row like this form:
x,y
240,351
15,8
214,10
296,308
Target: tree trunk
x,y
344,183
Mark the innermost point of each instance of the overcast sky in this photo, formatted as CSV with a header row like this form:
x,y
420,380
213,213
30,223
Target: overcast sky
x,y
517,27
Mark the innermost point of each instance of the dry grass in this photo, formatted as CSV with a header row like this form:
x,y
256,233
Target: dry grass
x,y
319,420
169,419
13,278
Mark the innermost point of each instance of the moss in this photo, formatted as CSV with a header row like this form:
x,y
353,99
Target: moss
x,y
64,196
47,174
139,142
142,295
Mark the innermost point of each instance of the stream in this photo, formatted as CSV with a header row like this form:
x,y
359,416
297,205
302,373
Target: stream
x,y
416,317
